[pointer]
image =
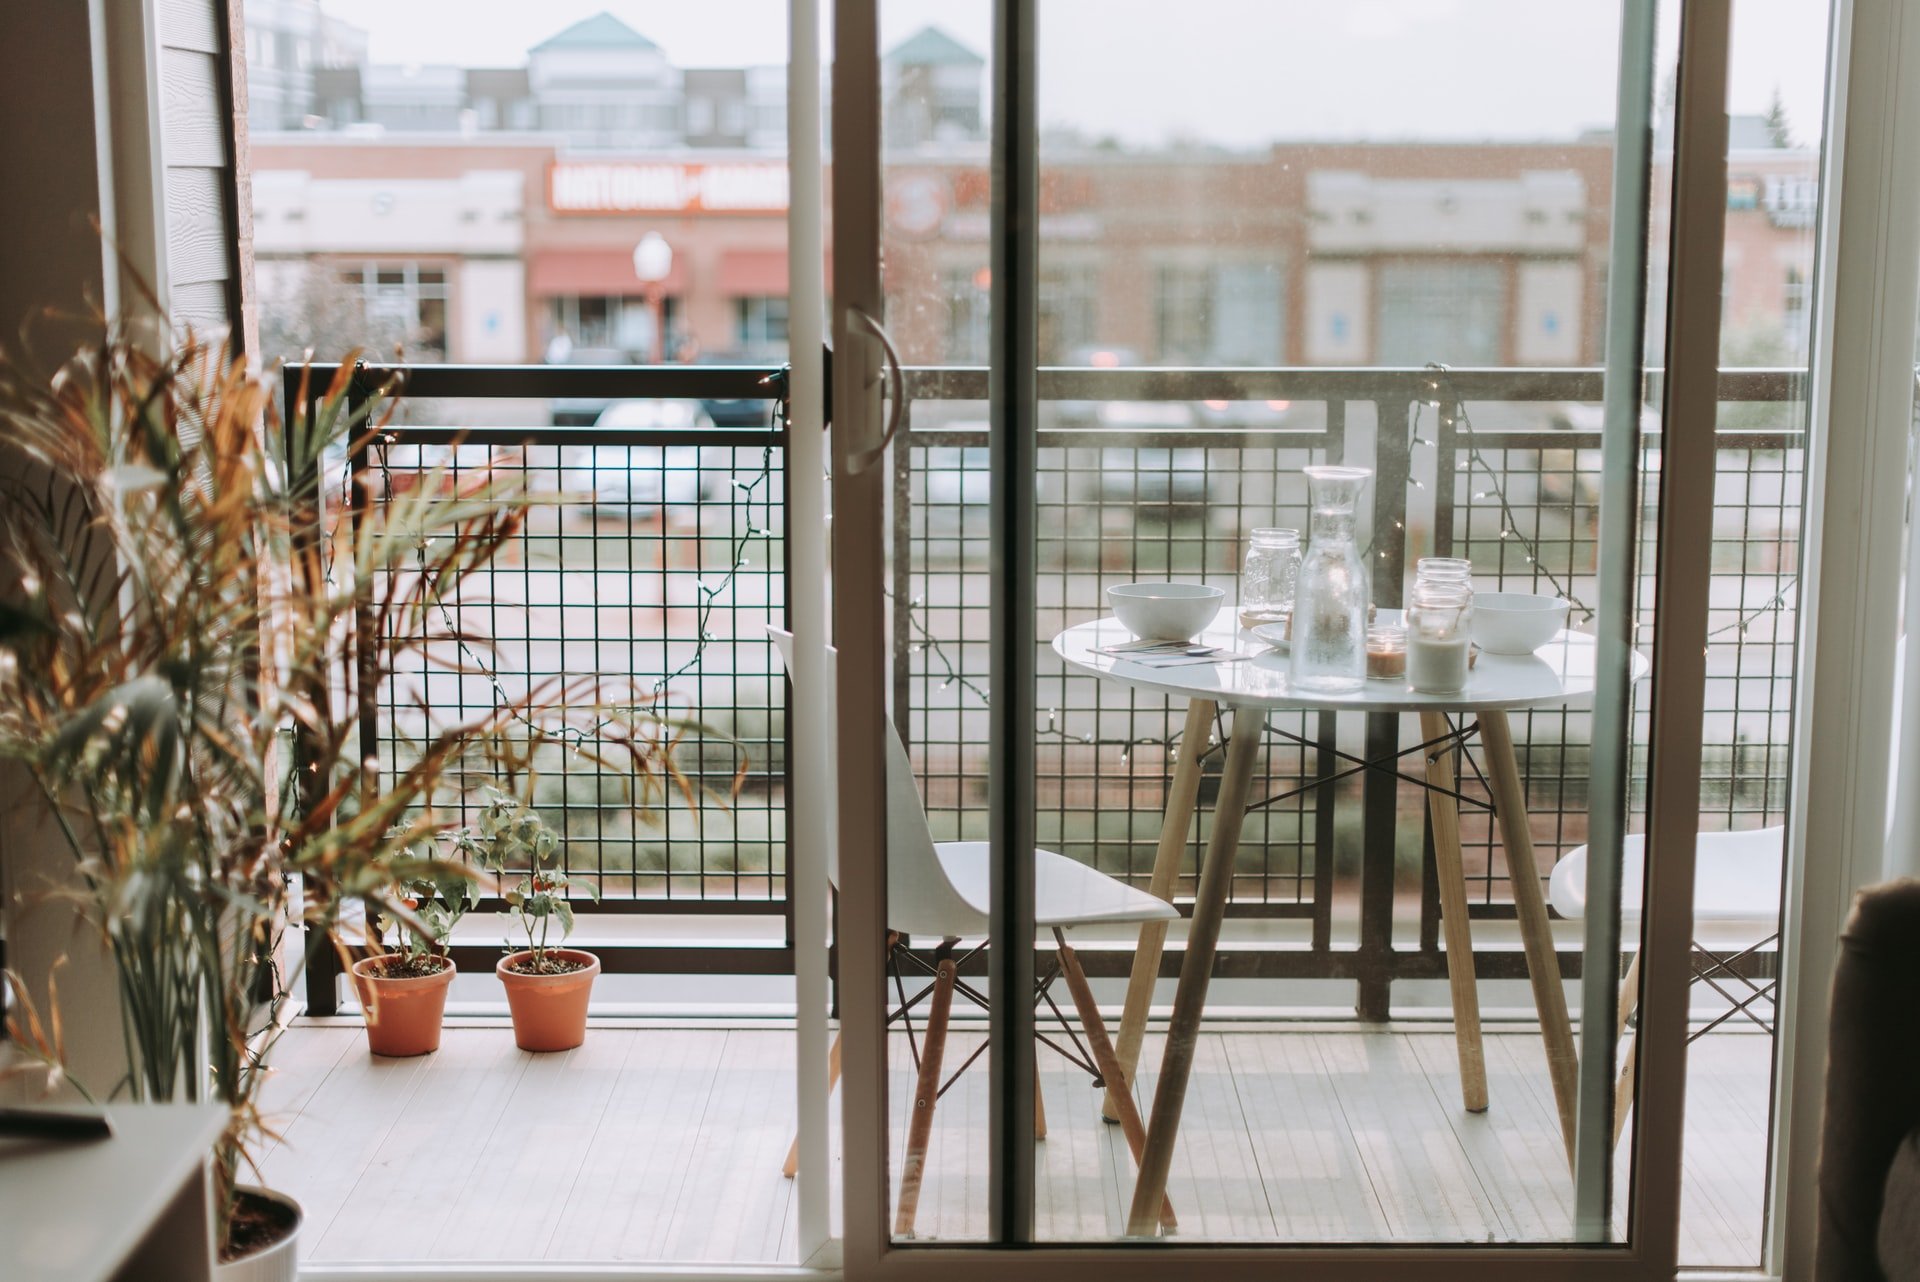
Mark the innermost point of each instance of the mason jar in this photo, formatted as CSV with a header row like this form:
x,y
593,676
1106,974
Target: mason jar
x,y
1268,577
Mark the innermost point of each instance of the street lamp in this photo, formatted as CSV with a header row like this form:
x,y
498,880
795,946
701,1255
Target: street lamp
x,y
652,262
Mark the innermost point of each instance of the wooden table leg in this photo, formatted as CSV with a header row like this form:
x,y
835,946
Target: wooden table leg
x,y
1182,794
1103,1057
1530,906
1449,872
1196,970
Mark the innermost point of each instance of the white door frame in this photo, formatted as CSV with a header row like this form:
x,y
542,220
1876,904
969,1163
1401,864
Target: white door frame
x,y
1863,394
1679,667
807,617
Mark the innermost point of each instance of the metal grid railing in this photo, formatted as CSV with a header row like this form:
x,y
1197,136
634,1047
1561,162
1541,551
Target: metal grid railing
x,y
1551,485
1114,507
657,555
652,567
652,559
1511,482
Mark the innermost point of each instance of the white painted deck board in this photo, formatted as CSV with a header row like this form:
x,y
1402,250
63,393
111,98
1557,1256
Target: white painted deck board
x,y
664,1145
634,1170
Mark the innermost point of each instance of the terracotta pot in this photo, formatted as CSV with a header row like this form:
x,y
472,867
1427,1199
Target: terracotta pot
x,y
403,1014
276,1262
549,1011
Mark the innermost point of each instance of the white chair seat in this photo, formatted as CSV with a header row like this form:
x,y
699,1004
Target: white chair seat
x,y
1065,891
1736,878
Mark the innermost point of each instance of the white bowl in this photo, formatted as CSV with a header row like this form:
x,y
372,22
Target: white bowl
x,y
1165,611
1516,622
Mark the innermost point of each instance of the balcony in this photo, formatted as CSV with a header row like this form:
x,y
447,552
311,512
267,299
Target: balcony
x,y
1325,1103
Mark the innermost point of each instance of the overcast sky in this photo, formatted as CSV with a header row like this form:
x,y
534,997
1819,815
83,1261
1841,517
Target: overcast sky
x,y
1235,72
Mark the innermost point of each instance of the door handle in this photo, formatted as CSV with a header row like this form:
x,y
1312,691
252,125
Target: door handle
x,y
896,388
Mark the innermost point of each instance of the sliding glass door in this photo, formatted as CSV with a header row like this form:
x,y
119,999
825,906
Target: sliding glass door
x,y
1278,498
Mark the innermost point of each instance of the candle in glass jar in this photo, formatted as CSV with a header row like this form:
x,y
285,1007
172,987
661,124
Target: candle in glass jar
x,y
1437,665
1439,628
1386,653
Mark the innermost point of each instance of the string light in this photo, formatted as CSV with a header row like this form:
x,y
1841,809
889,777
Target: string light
x,y
758,488
1452,411
951,675
1774,604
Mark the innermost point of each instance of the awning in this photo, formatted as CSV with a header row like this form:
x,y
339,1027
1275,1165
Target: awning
x,y
753,273
591,273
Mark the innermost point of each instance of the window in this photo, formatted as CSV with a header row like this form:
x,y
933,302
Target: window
x,y
1223,314
1450,311
403,303
608,323
1067,299
760,326
967,309
1793,310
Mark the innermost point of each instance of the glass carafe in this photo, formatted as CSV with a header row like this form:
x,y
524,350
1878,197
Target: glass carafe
x,y
1333,590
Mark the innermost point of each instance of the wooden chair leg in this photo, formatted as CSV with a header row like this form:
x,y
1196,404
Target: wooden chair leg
x,y
933,1045
1623,1088
1039,1105
792,1164
1121,1100
1629,997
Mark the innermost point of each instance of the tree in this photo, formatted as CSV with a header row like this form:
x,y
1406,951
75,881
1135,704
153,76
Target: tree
x,y
1779,129
326,314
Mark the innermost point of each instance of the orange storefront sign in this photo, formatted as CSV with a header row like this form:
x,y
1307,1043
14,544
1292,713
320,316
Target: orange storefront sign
x,y
640,186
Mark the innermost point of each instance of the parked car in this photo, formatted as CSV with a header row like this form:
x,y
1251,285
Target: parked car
x,y
1245,416
736,411
637,480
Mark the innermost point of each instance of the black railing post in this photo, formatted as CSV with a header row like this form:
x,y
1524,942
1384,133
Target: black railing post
x,y
1387,556
310,554
785,436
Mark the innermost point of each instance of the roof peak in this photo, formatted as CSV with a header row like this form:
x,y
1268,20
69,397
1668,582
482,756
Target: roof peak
x,y
931,44
601,31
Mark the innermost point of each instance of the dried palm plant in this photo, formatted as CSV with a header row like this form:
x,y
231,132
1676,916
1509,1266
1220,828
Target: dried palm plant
x,y
193,626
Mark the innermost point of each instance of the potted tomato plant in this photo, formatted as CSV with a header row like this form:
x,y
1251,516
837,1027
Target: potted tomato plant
x,y
547,987
403,985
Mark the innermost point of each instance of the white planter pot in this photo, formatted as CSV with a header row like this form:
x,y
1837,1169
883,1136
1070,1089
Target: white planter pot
x,y
279,1262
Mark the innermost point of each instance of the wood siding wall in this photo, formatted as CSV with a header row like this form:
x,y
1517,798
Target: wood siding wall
x,y
202,105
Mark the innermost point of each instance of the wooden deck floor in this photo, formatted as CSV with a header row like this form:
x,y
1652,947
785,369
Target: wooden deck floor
x,y
652,1144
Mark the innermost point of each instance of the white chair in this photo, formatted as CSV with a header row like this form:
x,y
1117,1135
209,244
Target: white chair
x,y
1736,888
940,890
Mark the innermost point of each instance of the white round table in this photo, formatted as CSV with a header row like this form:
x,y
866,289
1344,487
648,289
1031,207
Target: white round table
x,y
1559,673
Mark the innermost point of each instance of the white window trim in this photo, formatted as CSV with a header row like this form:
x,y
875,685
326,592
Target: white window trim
x,y
1863,394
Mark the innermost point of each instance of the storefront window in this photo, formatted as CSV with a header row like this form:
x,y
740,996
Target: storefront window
x,y
1220,314
760,326
605,328
1455,312
404,300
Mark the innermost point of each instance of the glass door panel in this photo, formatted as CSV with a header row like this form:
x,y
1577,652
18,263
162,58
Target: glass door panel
x,y
1318,978
1377,211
